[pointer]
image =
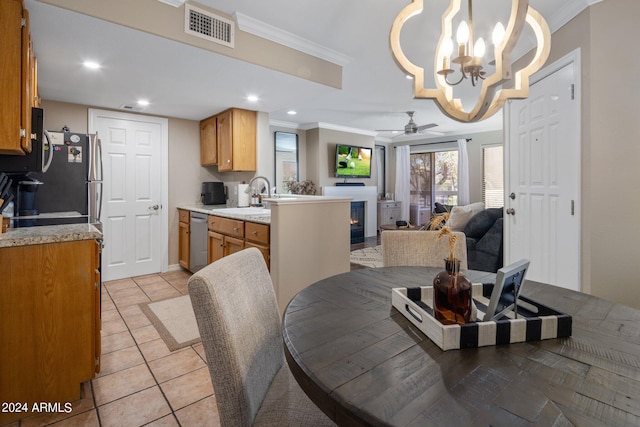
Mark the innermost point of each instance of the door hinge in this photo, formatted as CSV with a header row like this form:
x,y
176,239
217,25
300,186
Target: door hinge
x,y
23,22
573,91
573,208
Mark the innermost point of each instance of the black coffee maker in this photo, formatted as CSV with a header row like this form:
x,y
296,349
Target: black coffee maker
x,y
213,193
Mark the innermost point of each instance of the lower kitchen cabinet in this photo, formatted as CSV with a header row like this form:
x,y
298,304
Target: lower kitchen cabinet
x,y
183,238
257,236
49,322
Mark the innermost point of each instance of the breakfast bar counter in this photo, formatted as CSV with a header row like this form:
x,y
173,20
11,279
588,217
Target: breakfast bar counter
x,y
24,236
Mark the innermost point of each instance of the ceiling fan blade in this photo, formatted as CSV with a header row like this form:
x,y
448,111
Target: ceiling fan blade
x,y
428,126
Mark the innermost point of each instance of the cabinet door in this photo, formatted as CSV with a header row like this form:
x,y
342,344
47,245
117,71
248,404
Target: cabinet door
x,y
232,245
243,140
208,142
26,79
10,77
47,322
98,305
215,246
183,245
224,134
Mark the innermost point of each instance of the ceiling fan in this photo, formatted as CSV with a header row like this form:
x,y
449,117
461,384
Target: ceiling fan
x,y
411,127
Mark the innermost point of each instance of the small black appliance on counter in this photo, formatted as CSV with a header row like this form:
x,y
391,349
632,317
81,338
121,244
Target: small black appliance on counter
x,y
213,193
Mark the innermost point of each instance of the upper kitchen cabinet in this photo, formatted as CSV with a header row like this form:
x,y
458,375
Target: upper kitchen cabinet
x,y
208,142
18,79
236,133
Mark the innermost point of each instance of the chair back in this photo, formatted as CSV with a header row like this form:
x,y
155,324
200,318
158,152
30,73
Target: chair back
x,y
420,248
237,314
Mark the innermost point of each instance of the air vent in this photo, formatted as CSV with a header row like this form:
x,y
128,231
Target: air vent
x,y
209,26
128,107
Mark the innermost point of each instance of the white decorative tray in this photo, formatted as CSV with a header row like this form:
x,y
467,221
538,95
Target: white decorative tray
x,y
534,321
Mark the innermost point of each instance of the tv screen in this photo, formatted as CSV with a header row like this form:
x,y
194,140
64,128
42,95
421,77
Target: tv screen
x,y
353,162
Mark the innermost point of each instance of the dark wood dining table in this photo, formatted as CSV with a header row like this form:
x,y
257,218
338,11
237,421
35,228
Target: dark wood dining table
x,y
363,363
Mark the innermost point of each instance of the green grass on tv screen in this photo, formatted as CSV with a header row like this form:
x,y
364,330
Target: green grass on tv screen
x,y
353,162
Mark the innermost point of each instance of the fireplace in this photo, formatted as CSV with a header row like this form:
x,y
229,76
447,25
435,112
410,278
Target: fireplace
x,y
357,222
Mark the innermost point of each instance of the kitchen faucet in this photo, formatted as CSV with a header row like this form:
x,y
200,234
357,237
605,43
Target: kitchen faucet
x,y
250,187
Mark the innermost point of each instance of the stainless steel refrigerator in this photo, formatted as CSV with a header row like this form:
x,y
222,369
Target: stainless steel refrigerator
x,y
71,189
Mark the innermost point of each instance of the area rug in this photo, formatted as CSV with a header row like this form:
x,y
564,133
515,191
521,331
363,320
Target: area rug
x,y
174,320
369,257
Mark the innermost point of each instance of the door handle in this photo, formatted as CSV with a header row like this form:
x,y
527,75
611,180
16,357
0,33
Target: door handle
x,y
511,211
512,196
155,207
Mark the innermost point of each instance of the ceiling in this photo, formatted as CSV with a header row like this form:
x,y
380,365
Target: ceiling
x,y
183,81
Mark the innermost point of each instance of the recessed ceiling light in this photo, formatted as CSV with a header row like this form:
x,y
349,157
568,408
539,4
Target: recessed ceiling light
x,y
252,98
91,65
143,102
292,113
409,77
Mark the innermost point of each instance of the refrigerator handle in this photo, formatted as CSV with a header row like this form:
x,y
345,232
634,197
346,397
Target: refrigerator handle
x,y
95,173
99,216
45,167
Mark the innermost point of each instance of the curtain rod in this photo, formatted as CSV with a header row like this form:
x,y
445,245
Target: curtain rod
x,y
431,143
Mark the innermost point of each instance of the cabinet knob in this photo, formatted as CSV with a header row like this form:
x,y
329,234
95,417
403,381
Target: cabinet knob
x,y
255,233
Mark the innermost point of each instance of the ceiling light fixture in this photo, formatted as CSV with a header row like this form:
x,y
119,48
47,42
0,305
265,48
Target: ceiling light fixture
x,y
291,113
91,65
496,88
143,103
252,98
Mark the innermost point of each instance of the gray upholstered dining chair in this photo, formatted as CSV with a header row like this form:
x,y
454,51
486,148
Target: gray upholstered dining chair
x,y
237,314
420,248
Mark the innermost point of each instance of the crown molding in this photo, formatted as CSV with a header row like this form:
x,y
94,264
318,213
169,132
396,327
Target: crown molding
x,y
174,3
285,38
567,11
329,126
284,124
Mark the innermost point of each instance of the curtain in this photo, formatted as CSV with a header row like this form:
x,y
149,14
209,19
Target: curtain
x,y
380,170
463,173
402,180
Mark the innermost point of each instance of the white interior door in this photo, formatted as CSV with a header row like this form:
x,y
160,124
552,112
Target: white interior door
x,y
542,195
134,193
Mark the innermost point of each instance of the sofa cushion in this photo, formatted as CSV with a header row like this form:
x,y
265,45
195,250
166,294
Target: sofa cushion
x,y
460,215
482,222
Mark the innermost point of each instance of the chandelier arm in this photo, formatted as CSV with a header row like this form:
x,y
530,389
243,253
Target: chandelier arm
x,y
462,77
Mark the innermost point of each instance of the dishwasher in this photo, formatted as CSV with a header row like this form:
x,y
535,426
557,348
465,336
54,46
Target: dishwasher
x,y
197,241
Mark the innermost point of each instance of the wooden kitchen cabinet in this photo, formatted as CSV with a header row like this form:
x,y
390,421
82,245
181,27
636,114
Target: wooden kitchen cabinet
x,y
236,135
18,79
257,236
208,142
183,238
49,322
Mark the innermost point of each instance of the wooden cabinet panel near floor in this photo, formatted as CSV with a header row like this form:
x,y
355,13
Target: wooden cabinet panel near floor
x,y
49,321
183,238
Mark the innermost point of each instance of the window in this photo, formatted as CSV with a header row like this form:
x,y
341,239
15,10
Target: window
x,y
492,177
286,157
434,178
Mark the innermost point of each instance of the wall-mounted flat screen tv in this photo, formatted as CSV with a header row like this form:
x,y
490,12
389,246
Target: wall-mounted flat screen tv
x,y
353,161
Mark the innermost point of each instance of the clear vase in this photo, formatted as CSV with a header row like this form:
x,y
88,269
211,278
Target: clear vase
x,y
452,302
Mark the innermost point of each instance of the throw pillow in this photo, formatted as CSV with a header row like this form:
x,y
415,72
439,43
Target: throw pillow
x,y
460,215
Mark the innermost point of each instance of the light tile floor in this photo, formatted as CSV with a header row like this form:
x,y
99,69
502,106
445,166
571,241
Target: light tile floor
x,y
141,382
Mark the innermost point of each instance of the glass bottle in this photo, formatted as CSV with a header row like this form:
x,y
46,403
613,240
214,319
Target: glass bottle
x,y
452,295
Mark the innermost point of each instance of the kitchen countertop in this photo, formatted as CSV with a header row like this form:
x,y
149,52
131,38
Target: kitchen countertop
x,y
24,236
252,214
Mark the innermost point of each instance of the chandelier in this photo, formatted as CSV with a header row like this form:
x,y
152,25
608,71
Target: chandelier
x,y
495,88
